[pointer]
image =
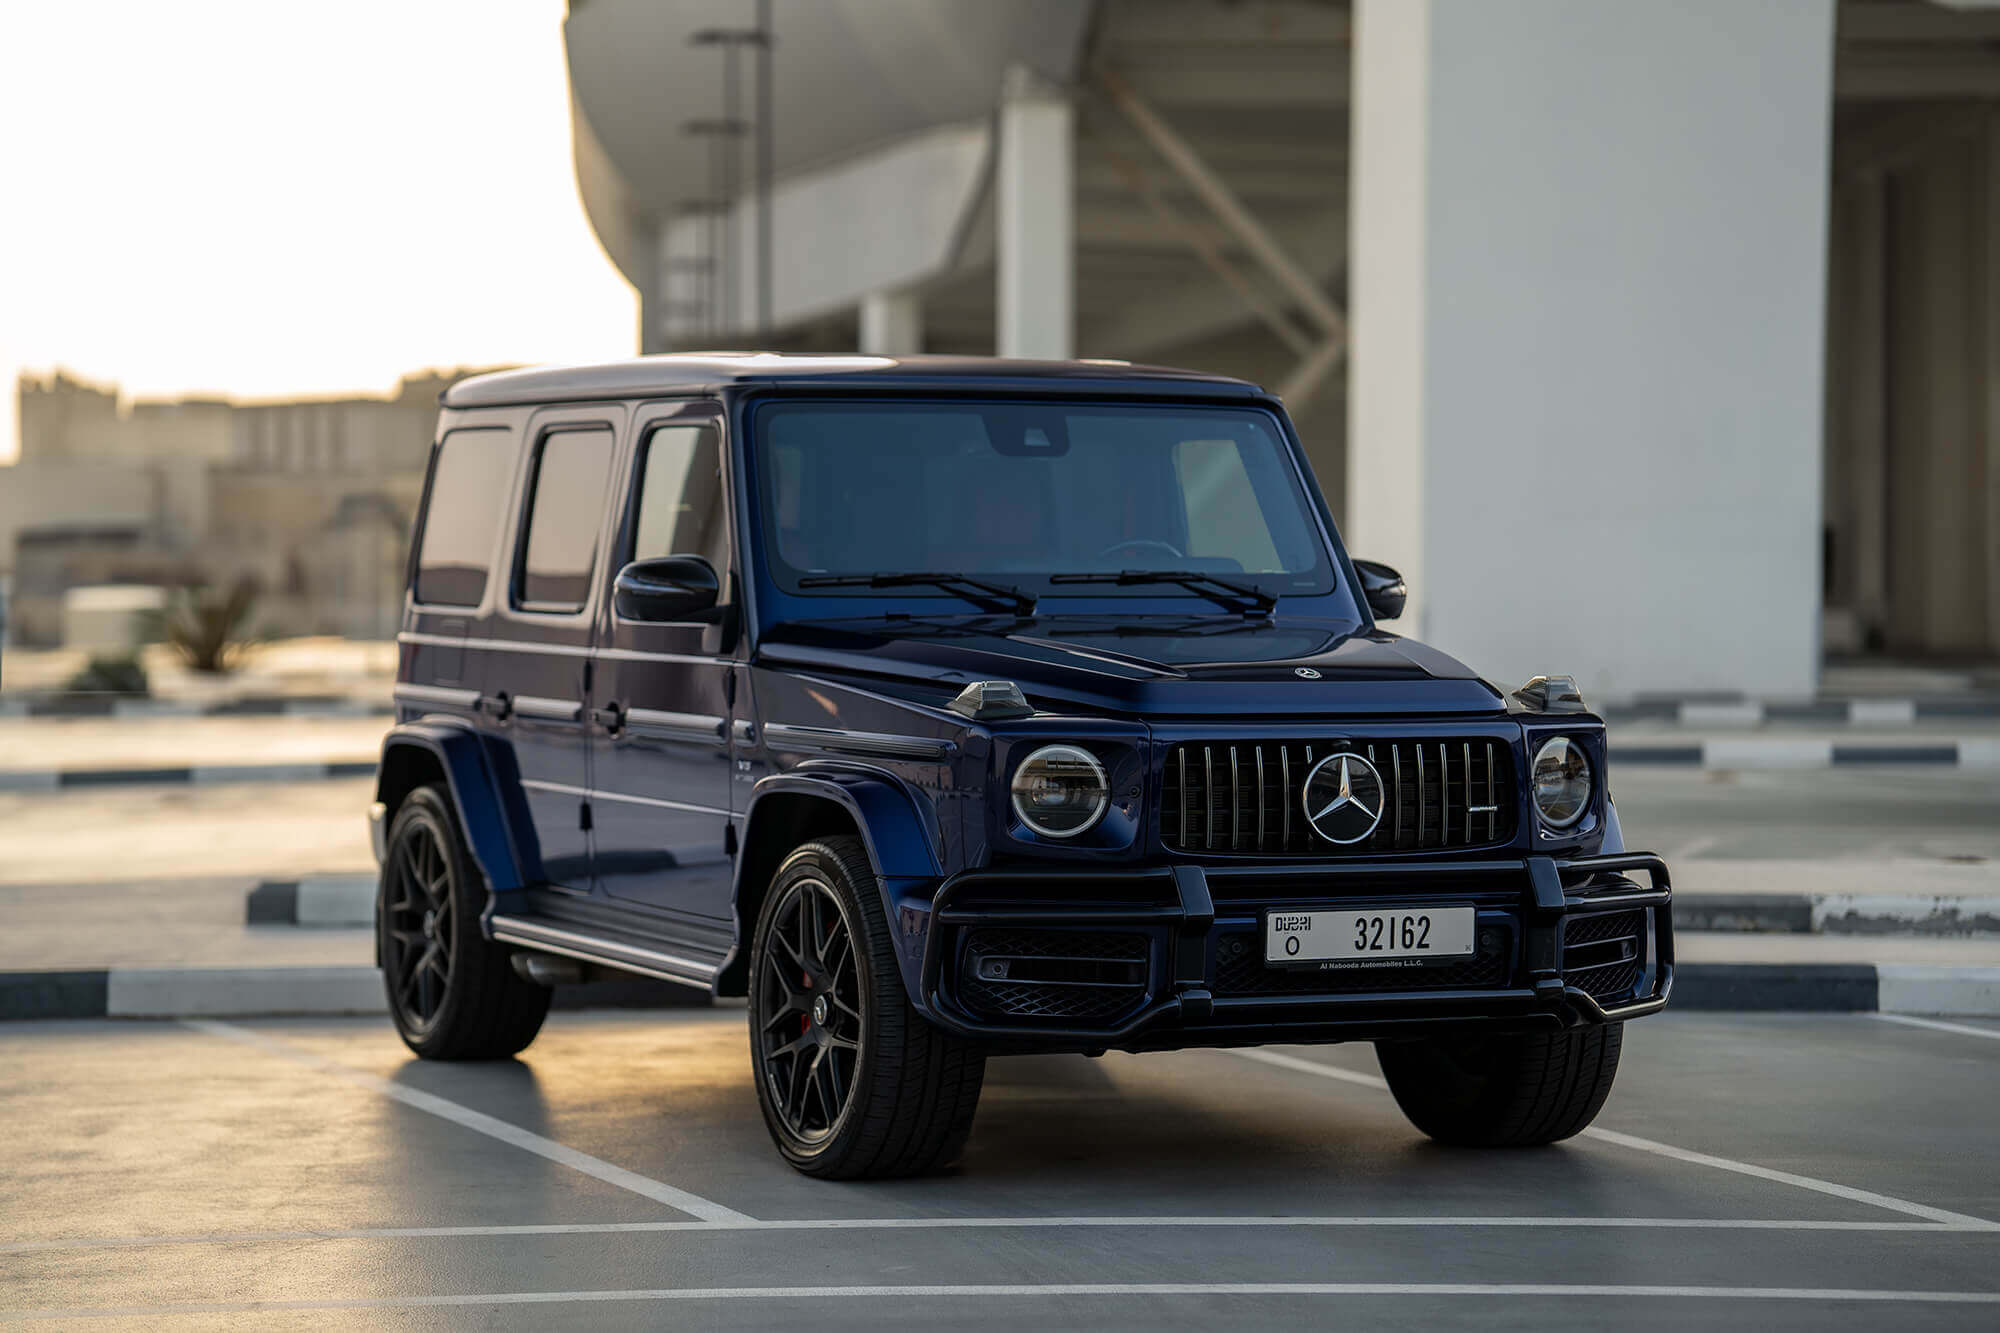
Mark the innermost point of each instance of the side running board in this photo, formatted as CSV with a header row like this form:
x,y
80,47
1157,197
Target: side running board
x,y
625,957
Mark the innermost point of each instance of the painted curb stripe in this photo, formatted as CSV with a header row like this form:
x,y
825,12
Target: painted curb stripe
x,y
1752,753
121,992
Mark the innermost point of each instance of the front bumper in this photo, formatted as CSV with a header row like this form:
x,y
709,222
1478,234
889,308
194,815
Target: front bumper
x,y
1561,944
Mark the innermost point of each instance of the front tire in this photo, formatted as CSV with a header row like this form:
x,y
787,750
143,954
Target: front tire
x,y
453,993
853,1082
1505,1091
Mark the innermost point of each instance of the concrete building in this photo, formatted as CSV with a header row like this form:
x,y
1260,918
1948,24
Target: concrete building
x,y
312,498
1656,341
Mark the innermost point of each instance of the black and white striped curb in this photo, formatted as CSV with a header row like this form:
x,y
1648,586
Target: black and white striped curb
x,y
330,901
1721,713
1785,752
116,705
274,992
318,900
266,992
1837,914
1760,752
51,779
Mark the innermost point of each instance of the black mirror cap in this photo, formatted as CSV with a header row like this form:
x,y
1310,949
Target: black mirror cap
x,y
673,587
1383,587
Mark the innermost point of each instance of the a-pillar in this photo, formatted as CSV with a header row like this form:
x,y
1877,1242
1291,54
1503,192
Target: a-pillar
x,y
1587,298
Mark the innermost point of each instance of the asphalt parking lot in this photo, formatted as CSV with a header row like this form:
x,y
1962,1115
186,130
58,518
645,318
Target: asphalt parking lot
x,y
1800,1171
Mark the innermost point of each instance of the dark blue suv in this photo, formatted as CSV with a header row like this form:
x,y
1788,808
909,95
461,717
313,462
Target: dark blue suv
x,y
947,708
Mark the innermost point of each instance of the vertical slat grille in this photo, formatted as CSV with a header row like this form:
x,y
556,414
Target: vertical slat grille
x,y
1247,798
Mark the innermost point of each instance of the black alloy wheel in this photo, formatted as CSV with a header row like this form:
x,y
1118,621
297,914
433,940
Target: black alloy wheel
x,y
810,1017
853,1081
416,926
453,993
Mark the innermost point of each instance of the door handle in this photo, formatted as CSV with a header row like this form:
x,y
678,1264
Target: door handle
x,y
496,706
611,717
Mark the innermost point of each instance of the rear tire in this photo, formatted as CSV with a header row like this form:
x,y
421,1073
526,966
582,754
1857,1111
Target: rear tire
x,y
853,1082
1506,1091
453,993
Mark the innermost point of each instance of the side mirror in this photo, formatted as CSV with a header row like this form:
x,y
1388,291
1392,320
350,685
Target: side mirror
x,y
674,587
1383,587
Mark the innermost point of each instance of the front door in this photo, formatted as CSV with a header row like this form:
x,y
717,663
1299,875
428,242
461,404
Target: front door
x,y
660,698
539,662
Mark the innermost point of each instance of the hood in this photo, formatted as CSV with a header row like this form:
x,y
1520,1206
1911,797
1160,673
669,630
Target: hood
x,y
1142,666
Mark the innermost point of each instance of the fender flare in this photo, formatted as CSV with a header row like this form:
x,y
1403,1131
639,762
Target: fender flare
x,y
476,795
901,842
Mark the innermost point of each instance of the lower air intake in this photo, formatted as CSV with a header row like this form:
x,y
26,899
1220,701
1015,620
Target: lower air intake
x,y
1074,976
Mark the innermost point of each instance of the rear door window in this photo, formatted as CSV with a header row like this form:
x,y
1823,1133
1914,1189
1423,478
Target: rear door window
x,y
565,510
462,513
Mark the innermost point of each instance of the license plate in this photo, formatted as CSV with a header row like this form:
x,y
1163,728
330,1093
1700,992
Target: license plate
x,y
1396,937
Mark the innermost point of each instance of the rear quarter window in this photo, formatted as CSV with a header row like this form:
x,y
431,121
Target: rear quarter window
x,y
462,512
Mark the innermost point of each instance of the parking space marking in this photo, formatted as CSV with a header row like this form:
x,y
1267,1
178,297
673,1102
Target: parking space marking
x,y
1069,1289
1668,1150
1394,1220
1963,1030
479,1123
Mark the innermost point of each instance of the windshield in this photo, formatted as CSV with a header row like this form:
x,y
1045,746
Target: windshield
x,y
1020,493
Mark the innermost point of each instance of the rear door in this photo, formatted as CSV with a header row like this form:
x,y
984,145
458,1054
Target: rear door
x,y
538,665
660,755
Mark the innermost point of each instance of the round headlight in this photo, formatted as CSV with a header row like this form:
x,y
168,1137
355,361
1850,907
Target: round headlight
x,y
1560,780
1060,791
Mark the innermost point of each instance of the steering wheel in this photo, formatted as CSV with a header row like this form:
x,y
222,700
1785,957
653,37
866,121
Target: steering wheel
x,y
1141,544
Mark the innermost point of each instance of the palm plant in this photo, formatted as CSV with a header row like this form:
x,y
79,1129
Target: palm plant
x,y
205,627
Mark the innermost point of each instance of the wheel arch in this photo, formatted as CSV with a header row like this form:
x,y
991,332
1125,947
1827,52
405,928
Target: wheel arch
x,y
450,755
794,808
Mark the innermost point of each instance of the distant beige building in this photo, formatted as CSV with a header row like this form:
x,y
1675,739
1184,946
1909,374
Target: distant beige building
x,y
311,497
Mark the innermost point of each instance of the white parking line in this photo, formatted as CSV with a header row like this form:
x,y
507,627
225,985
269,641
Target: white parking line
x,y
1991,1034
1662,1149
479,1123
1070,1289
1396,1220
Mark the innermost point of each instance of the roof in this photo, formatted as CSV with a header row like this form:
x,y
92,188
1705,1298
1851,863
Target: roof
x,y
683,372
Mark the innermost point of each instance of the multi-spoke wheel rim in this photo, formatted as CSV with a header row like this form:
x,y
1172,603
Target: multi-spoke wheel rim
x,y
417,920
809,1020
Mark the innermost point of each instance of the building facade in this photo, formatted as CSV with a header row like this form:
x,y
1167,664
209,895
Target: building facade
x,y
310,498
1657,342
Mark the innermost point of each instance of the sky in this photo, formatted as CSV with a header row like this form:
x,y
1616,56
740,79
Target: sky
x,y
282,197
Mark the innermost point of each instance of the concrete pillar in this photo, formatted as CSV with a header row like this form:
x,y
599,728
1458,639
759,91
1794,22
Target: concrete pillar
x,y
1587,294
1037,233
892,323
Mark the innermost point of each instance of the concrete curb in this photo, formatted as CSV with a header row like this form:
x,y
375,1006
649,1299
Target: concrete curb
x,y
46,779
269,992
274,992
1788,752
323,900
1837,914
1762,752
349,900
253,705
1814,712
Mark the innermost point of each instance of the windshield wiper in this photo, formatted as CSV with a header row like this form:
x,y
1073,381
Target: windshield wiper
x,y
1223,592
987,596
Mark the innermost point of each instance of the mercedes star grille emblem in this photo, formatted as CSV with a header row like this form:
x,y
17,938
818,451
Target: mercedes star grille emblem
x,y
1344,798
1305,673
